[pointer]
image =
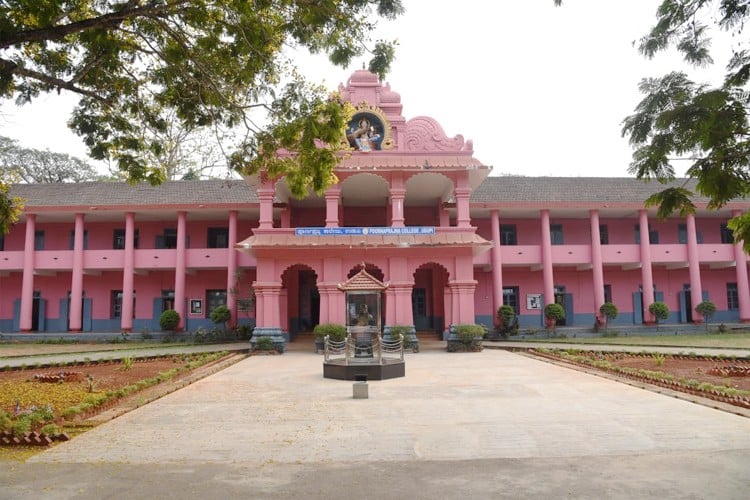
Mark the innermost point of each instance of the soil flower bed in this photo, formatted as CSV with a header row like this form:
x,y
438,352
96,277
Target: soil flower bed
x,y
44,399
718,378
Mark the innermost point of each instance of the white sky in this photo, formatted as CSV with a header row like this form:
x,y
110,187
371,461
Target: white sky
x,y
541,91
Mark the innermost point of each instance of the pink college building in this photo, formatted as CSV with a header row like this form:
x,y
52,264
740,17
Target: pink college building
x,y
414,205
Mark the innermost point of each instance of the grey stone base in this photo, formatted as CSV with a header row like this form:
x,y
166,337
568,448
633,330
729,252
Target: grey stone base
x,y
410,338
364,371
275,334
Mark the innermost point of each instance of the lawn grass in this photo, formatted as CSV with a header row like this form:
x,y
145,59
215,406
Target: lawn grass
x,y
10,349
740,340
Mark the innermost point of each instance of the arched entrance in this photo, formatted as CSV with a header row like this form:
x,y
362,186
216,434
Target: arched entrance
x,y
428,298
302,298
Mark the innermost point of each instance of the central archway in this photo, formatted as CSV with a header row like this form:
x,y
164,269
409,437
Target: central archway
x,y
428,298
302,297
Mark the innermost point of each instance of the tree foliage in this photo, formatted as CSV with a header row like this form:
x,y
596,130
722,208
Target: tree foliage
x,y
208,64
704,123
36,166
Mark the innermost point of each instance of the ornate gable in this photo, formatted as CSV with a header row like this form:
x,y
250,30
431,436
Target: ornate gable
x,y
362,281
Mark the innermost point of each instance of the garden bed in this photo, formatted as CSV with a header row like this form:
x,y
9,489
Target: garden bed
x,y
64,394
723,379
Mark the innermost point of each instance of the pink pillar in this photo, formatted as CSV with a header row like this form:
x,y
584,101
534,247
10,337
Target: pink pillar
x,y
497,266
443,215
283,307
547,273
265,197
646,272
397,207
76,285
232,269
448,305
325,298
27,287
404,315
332,206
596,264
694,269
743,287
390,307
180,268
128,270
259,304
462,192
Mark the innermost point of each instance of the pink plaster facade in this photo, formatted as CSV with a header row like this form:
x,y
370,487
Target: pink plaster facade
x,y
112,258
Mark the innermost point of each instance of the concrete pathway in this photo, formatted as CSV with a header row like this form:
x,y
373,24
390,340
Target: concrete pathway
x,y
476,425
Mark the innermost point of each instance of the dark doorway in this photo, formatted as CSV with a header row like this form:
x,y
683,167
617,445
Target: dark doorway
x,y
35,304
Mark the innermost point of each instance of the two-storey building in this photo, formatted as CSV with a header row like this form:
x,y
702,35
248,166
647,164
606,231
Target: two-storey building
x,y
415,206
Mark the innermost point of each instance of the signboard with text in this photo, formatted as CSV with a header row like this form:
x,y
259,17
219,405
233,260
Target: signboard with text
x,y
364,231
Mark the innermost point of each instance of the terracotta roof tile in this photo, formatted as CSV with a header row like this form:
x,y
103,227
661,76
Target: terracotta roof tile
x,y
119,193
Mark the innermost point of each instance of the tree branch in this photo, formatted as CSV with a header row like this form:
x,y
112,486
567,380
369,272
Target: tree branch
x,y
12,67
109,20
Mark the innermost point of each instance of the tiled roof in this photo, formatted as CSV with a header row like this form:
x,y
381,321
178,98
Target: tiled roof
x,y
362,281
453,238
571,189
214,192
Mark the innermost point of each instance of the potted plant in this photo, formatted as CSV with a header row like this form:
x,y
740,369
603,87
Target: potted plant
x,y
707,309
507,319
552,314
334,331
466,337
220,314
169,320
660,311
609,311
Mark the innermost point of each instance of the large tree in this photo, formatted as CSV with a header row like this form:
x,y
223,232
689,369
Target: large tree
x,y
211,64
705,124
31,165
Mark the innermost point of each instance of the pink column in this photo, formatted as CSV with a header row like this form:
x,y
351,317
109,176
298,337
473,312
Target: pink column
x,y
128,270
404,315
547,273
76,285
448,305
646,272
694,269
180,268
443,215
596,264
27,288
462,192
332,206
232,269
743,287
259,304
497,266
265,197
390,306
397,207
323,290
283,307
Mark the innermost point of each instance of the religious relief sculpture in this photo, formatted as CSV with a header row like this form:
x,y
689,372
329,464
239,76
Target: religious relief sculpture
x,y
369,130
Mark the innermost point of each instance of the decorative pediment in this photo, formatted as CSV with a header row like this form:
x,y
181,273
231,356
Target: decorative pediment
x,y
424,134
362,281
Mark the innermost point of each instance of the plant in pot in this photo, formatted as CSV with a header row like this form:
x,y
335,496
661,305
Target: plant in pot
x,y
334,331
220,314
706,309
552,314
609,311
507,319
468,338
660,311
169,320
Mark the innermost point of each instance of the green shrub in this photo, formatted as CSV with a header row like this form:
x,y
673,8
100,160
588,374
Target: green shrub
x,y
554,311
264,344
706,309
469,333
609,311
50,429
659,310
334,331
220,314
127,362
169,320
507,316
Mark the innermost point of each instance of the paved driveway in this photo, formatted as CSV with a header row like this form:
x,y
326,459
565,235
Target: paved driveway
x,y
480,425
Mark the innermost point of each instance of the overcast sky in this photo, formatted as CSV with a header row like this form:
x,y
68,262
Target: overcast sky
x,y
541,91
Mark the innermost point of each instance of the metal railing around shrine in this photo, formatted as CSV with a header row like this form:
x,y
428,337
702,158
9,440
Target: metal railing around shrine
x,y
380,351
